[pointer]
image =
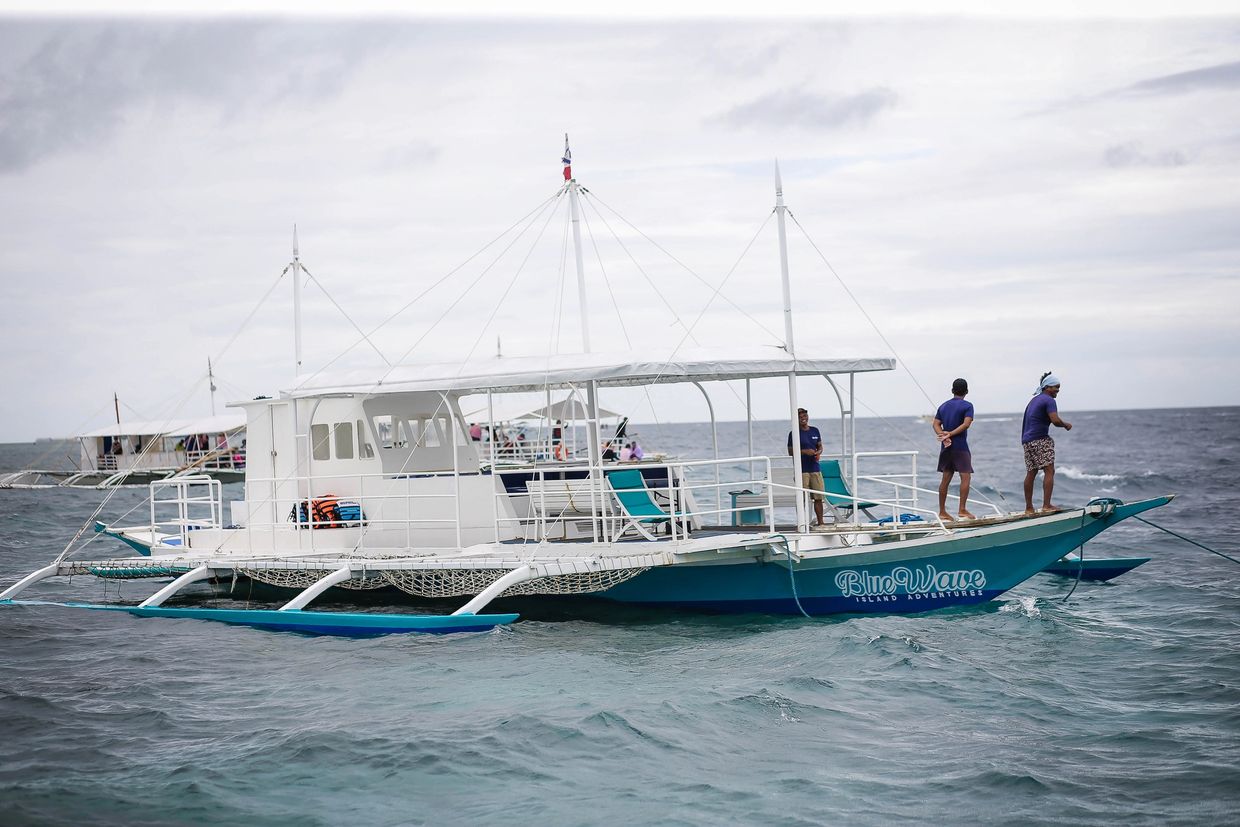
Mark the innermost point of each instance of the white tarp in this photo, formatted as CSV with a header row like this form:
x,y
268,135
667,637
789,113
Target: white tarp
x,y
567,409
530,373
218,424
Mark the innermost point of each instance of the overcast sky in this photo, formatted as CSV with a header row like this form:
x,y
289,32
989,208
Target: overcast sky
x,y
1002,196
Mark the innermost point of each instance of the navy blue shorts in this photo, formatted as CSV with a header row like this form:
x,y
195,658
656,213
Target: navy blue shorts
x,y
959,461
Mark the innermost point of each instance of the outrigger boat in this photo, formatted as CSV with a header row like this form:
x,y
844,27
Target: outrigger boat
x,y
367,480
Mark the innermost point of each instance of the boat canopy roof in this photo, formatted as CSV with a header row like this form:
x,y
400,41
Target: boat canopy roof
x,y
508,374
218,424
567,409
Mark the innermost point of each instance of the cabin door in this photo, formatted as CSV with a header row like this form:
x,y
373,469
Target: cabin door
x,y
283,460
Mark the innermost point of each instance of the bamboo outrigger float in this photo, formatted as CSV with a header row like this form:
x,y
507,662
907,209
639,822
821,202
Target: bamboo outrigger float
x,y
370,480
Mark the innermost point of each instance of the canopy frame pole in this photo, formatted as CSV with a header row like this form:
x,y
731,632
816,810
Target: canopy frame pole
x,y
795,435
598,497
714,441
453,426
749,423
193,576
324,583
495,475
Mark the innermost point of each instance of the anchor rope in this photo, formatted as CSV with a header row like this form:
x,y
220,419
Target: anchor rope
x,y
1187,540
792,578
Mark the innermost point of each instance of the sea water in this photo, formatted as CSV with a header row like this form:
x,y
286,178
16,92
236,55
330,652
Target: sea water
x,y
1120,705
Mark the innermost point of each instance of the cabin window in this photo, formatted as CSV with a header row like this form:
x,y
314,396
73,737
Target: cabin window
x,y
364,449
320,448
390,431
343,436
430,433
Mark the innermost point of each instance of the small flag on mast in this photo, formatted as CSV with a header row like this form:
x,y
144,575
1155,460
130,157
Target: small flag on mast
x,y
567,159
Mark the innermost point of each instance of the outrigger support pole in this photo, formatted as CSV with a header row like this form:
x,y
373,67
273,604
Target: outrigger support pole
x,y
338,576
517,575
193,576
795,434
29,580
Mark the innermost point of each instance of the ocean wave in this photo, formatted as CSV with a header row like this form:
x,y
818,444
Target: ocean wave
x,y
1077,474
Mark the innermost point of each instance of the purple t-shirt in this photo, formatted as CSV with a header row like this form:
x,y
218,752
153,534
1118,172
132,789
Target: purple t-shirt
x,y
1037,423
810,441
951,414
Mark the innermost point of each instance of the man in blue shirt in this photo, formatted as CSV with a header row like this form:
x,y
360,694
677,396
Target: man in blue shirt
x,y
811,451
1041,412
951,426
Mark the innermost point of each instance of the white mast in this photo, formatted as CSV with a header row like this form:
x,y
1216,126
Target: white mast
x,y
581,272
780,209
593,448
211,384
296,306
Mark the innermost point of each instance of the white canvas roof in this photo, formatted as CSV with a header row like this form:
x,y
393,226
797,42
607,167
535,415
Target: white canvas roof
x,y
530,373
568,408
218,424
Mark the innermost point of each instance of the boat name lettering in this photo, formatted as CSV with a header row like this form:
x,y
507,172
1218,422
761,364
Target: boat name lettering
x,y
903,580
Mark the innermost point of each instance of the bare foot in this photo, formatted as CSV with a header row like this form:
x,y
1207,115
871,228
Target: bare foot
x,y
964,515
1050,509
943,515
1029,512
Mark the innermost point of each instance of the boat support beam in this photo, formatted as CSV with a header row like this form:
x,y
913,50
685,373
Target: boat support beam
x,y
201,573
517,575
29,580
299,602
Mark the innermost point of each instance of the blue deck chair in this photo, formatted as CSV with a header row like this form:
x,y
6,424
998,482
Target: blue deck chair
x,y
837,491
636,503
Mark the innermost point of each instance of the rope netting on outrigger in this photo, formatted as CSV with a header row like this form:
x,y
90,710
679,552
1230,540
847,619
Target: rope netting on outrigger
x,y
430,583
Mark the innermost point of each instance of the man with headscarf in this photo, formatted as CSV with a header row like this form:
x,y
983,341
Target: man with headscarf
x,y
1035,438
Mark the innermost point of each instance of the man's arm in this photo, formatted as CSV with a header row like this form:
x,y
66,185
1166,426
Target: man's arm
x,y
1055,420
959,429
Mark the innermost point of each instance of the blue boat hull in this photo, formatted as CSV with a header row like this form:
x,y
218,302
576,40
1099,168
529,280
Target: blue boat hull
x,y
1097,570
968,567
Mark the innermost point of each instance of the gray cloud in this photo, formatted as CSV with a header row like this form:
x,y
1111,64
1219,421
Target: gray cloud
x,y
1222,76
73,89
805,109
1132,154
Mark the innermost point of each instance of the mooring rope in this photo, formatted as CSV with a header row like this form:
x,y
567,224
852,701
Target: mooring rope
x,y
1187,540
792,578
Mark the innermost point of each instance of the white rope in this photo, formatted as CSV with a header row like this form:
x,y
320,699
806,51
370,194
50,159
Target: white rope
x,y
855,301
335,304
684,266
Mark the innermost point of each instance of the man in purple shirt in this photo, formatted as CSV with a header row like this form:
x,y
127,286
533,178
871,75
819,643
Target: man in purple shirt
x,y
951,426
1040,414
811,454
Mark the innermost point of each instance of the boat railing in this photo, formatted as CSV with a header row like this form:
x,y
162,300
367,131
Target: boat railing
x,y
184,504
574,500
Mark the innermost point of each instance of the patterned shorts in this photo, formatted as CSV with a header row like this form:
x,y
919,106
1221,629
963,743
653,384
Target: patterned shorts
x,y
1039,453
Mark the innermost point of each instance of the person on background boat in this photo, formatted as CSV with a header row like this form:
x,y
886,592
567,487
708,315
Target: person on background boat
x,y
475,432
951,426
638,453
811,452
1041,412
609,452
557,441
626,452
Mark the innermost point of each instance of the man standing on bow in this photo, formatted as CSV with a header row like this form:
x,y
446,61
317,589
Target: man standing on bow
x,y
951,426
811,452
1041,412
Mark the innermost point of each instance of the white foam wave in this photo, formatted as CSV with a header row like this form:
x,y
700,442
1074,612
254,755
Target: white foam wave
x,y
1026,605
1077,474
